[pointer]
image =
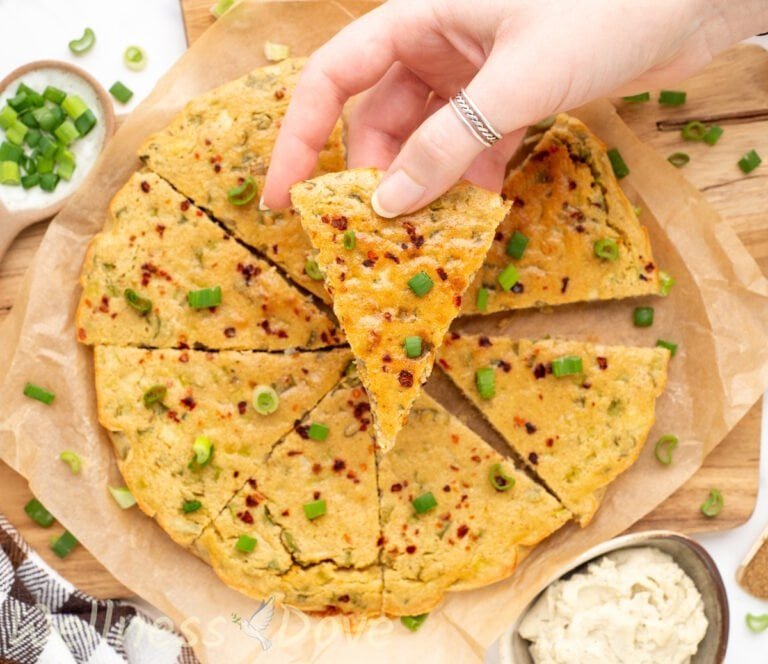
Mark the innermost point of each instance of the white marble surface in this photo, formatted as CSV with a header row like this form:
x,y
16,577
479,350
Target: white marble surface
x,y
40,29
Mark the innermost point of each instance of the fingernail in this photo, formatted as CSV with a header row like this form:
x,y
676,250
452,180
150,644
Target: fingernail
x,y
263,207
397,193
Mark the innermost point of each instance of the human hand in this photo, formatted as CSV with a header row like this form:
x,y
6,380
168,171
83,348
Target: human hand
x,y
519,60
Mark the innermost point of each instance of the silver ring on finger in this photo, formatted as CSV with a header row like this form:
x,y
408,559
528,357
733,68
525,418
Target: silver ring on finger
x,y
470,115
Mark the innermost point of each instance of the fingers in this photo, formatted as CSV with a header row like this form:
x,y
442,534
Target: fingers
x,y
385,117
489,167
351,62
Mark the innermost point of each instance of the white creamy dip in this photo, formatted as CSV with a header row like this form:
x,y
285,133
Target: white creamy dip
x,y
634,606
85,149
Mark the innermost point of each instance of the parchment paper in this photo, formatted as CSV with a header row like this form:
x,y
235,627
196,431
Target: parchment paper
x,y
718,312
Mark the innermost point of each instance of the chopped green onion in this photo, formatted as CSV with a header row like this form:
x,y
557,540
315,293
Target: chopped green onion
x,y
413,623
607,248
7,117
276,52
245,544
508,277
28,118
642,316
45,164
713,134
20,103
516,245
750,161
265,399
713,505
123,496
33,137
568,365
120,92
318,431
349,240
40,394
29,165
757,623
72,459
47,147
54,95
482,299
63,545
66,132
35,98
204,298
420,283
413,347
37,512
664,448
155,394
85,123
620,168
135,58
189,506
314,509
45,118
16,132
9,152
313,271
135,301
49,181
499,479
29,181
243,193
694,131
74,106
203,449
485,380
672,97
424,503
635,99
83,44
671,347
9,173
221,7
678,159
65,163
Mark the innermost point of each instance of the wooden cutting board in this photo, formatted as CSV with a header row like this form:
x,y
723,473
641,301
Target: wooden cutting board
x,y
735,84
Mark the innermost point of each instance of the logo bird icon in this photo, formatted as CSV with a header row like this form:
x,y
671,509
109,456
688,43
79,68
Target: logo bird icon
x,y
259,622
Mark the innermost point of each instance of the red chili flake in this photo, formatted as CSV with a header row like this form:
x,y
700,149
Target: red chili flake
x,y
571,185
586,384
530,427
252,483
462,531
251,501
453,467
361,408
339,222
476,458
550,442
519,421
405,378
369,263
242,406
518,288
410,549
245,517
189,402
455,336
442,273
293,453
650,267
217,168
457,301
248,272
207,141
395,488
302,430
381,541
564,287
540,156
539,371
104,306
316,495
229,332
173,415
279,94
443,363
447,488
145,186
518,202
316,468
339,465
386,358
198,213
183,345
602,362
643,277
533,458
484,342
392,257
82,334
160,230
499,236
286,512
387,316
579,228
236,474
351,475
184,358
505,366
343,598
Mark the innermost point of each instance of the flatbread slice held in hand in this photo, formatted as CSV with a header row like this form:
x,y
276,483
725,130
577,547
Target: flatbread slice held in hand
x,y
571,235
147,275
396,283
221,142
577,413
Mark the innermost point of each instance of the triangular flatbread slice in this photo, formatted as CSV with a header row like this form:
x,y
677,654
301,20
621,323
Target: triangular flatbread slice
x,y
328,562
576,432
154,251
156,403
477,532
227,135
565,198
395,279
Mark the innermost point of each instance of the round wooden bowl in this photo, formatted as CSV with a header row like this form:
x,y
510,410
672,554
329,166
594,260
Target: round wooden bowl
x,y
13,222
